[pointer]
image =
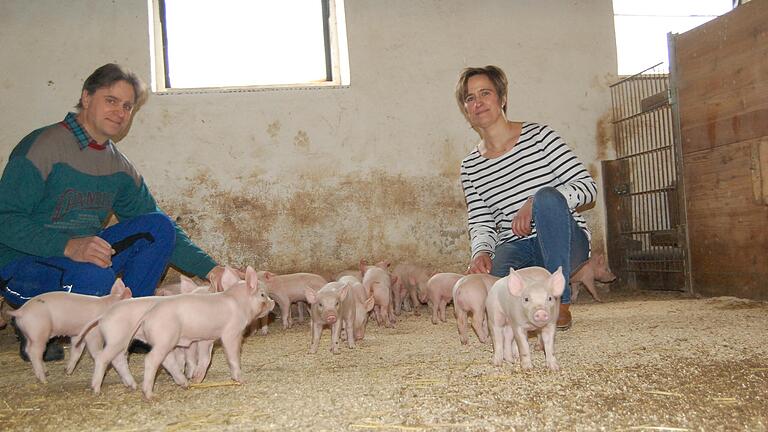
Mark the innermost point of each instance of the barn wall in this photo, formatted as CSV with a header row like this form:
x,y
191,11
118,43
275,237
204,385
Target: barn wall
x,y
312,180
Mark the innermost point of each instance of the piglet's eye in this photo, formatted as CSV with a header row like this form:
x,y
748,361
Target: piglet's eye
x,y
525,299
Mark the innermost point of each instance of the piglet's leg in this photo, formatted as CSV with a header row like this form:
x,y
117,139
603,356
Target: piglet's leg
x,y
171,364
204,350
548,338
521,337
231,345
120,363
35,349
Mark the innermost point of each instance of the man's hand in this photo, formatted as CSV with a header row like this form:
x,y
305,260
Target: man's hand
x,y
94,250
214,276
521,223
480,264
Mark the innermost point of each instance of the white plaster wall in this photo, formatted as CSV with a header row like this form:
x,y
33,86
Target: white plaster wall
x,y
314,179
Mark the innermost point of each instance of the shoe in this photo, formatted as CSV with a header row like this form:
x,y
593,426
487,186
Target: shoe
x,y
564,318
53,349
139,347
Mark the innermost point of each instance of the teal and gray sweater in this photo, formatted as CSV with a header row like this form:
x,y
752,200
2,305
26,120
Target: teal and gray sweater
x,y
59,183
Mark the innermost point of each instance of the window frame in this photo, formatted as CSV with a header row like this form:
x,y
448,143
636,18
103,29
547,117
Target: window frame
x,y
335,42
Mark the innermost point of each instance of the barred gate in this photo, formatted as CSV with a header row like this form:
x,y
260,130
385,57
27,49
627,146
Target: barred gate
x,y
645,226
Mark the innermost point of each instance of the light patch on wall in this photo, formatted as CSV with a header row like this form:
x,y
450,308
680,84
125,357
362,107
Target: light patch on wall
x,y
301,140
273,130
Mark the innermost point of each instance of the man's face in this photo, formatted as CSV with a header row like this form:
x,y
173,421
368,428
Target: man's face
x,y
107,112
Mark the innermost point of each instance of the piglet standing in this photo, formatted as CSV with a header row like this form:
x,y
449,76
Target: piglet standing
x,y
333,305
187,318
378,282
411,280
439,293
363,304
116,327
469,294
595,269
526,300
63,314
286,289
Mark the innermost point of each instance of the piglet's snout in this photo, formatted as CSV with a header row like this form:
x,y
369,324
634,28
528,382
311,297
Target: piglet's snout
x,y
330,319
541,316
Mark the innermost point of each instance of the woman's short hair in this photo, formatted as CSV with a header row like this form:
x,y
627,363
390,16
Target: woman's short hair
x,y
494,73
109,74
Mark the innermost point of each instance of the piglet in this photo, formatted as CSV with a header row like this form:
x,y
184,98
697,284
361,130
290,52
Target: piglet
x,y
411,280
469,294
439,293
378,281
286,289
526,300
333,305
117,324
363,304
595,269
63,314
187,318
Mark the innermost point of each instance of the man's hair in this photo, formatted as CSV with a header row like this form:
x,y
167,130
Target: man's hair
x,y
109,74
495,74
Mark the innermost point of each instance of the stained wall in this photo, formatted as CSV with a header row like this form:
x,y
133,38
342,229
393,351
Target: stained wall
x,y
314,179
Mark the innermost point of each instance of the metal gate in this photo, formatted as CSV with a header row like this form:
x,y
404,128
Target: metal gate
x,y
645,214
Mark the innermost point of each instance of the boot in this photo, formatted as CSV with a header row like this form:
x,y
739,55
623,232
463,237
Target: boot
x,y
564,318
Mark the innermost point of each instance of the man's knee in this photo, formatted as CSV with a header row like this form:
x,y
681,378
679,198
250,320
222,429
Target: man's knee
x,y
90,279
161,225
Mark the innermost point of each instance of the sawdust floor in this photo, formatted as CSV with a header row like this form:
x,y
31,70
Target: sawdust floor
x,y
640,361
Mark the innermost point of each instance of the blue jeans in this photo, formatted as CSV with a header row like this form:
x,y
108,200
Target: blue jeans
x,y
143,247
559,241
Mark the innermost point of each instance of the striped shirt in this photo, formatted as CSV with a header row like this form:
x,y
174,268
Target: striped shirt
x,y
495,189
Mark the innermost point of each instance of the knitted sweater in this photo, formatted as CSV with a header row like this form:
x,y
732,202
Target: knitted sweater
x,y
59,184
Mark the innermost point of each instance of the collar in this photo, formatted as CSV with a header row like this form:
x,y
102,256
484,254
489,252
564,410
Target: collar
x,y
83,139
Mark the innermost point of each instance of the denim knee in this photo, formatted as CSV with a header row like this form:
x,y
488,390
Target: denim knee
x,y
90,279
161,225
549,198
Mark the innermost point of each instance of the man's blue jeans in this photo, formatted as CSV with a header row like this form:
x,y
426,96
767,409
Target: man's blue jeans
x,y
559,242
143,247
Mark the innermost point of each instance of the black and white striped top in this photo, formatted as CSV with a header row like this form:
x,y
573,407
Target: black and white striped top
x,y
495,189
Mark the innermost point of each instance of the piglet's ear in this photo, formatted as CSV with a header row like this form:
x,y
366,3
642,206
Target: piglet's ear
x,y
187,285
557,282
515,283
229,278
126,294
118,287
344,292
310,294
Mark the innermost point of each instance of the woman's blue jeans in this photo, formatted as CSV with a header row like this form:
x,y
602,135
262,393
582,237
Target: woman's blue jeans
x,y
143,247
559,241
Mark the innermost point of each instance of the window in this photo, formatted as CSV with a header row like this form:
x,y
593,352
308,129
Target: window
x,y
215,44
642,27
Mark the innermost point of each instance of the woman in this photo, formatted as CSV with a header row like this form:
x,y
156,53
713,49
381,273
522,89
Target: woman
x,y
522,186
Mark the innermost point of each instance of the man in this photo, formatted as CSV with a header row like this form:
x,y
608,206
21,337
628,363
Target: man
x,y
61,185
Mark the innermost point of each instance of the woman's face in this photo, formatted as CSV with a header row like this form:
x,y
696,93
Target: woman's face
x,y
482,103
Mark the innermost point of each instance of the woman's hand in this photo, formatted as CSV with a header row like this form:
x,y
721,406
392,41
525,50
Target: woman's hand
x,y
521,223
481,263
94,250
